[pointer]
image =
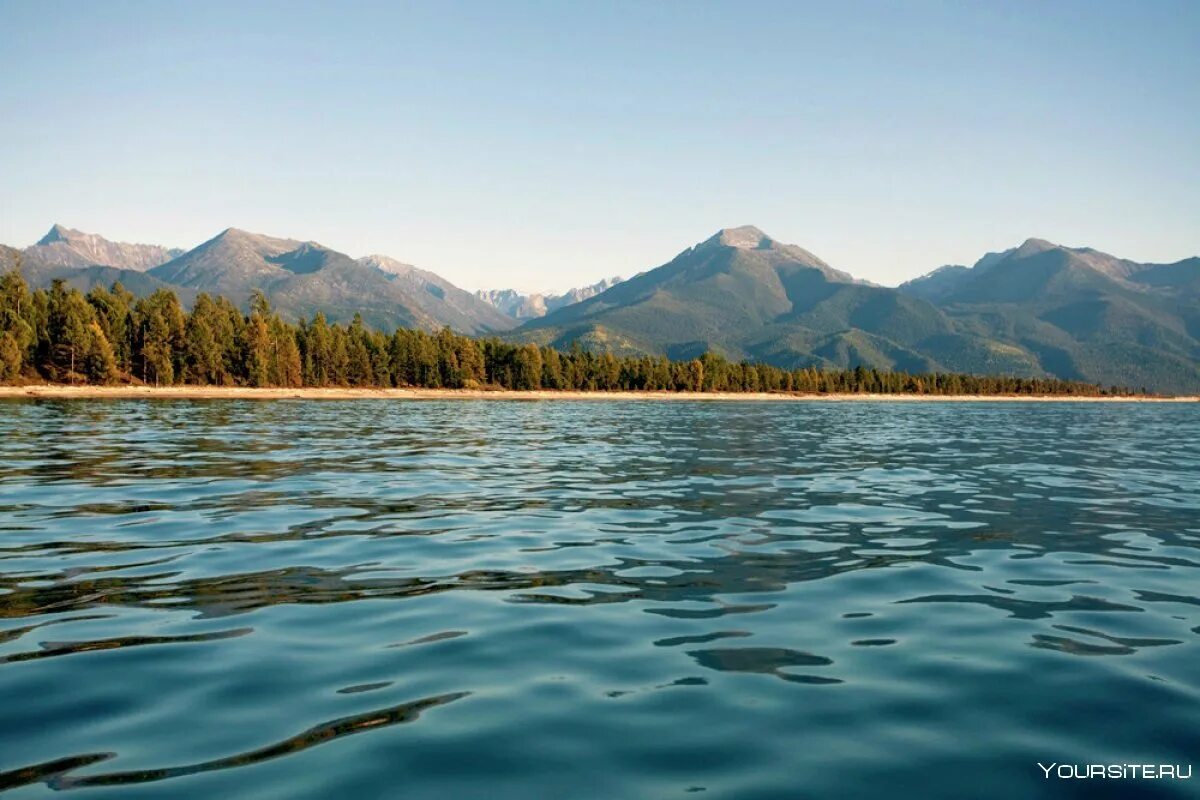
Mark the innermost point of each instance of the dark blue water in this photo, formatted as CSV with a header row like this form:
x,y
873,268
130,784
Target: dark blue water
x,y
600,600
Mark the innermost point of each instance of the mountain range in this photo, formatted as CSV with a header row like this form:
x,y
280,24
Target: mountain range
x,y
299,278
1036,309
744,295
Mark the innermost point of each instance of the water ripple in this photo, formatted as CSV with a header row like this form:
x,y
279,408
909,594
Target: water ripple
x,y
606,599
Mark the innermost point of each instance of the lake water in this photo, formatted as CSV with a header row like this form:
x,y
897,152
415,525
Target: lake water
x,y
299,599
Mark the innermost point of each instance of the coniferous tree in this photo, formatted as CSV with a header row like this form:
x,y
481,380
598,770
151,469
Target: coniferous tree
x,y
695,376
552,372
99,365
528,368
113,309
318,347
285,358
203,355
425,362
359,370
159,335
258,352
339,355
17,337
470,362
69,316
12,358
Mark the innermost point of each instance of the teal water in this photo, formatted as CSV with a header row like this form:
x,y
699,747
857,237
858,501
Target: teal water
x,y
598,600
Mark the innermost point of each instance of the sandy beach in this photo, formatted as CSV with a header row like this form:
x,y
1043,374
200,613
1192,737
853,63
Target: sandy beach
x,y
48,391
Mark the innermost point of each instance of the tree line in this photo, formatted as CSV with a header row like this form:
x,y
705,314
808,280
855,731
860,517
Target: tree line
x,y
109,336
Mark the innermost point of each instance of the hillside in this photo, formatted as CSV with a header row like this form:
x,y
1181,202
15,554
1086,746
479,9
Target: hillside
x,y
299,278
439,299
302,278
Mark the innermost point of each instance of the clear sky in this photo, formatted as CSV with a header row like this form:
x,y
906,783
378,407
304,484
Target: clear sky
x,y
544,145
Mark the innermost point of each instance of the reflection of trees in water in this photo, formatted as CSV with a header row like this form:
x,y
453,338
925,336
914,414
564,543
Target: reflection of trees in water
x,y
770,566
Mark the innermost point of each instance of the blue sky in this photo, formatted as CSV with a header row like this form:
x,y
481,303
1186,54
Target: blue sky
x,y
547,144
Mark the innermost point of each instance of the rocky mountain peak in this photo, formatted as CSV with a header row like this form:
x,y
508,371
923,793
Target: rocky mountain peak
x,y
1031,247
59,233
744,237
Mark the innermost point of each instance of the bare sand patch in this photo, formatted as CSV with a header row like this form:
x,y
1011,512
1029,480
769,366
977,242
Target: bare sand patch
x,y
51,391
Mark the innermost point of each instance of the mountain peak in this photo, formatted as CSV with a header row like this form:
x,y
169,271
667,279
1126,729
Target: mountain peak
x,y
58,233
241,233
235,233
236,237
744,237
387,264
750,238
1032,247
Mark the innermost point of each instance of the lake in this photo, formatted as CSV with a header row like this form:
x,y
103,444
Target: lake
x,y
299,599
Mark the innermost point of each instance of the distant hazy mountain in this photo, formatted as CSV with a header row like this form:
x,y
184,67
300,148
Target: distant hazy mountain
x,y
517,305
1081,313
66,247
531,306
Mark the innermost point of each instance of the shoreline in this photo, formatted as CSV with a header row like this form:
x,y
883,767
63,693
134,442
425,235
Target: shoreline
x,y
61,392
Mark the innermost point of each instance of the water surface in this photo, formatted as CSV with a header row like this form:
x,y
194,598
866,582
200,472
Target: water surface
x,y
299,599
